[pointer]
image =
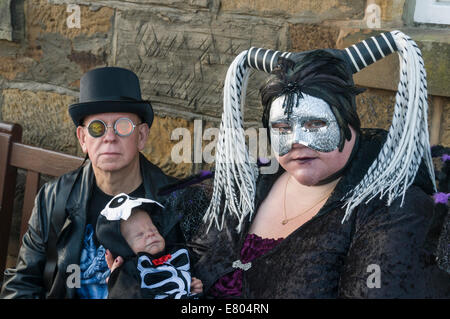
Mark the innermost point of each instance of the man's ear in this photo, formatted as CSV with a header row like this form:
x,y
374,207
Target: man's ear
x,y
144,131
81,135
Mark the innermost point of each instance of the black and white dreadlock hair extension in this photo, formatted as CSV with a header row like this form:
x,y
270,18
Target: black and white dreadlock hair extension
x,y
235,175
391,173
235,170
408,140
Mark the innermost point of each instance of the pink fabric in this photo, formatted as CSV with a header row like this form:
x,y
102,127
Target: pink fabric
x,y
254,246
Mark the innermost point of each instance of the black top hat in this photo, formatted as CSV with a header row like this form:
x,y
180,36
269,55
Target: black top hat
x,y
110,89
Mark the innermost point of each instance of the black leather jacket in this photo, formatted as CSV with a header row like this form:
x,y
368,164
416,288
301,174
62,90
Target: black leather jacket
x,y
327,259
26,280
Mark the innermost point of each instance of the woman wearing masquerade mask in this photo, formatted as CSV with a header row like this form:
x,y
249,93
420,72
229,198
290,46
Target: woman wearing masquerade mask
x,y
300,242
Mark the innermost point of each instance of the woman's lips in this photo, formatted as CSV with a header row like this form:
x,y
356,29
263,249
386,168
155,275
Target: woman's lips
x,y
304,160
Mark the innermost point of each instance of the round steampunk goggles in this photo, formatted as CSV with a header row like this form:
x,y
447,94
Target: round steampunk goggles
x,y
122,127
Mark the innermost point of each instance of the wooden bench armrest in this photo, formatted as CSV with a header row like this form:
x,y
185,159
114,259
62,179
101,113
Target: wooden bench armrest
x,y
43,161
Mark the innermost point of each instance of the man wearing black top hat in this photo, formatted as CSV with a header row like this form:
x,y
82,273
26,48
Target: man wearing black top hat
x,y
113,124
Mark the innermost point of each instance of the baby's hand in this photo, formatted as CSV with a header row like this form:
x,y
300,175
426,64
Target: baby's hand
x,y
196,286
112,263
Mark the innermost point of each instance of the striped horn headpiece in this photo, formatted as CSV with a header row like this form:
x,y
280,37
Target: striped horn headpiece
x,y
391,173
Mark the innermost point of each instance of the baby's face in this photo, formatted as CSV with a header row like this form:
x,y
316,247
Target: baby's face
x,y
141,234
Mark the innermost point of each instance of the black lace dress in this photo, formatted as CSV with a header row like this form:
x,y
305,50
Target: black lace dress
x,y
378,253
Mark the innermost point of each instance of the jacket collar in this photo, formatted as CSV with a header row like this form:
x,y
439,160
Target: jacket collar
x,y
153,178
83,182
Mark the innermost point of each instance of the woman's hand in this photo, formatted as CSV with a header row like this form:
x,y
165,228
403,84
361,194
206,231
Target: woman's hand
x,y
112,263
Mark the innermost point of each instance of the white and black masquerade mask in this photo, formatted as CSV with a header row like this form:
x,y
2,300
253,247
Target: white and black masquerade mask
x,y
398,161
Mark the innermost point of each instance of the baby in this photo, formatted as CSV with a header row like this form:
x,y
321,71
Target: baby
x,y
150,269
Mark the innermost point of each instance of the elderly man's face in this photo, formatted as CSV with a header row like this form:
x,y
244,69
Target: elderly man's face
x,y
111,152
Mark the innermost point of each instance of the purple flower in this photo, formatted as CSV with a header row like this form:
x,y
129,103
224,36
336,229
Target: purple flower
x,y
441,198
205,174
445,157
262,161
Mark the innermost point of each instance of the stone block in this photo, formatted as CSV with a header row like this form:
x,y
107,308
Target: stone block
x,y
159,145
304,37
436,57
182,147
182,58
384,74
43,17
54,53
445,124
375,108
391,10
316,10
11,66
44,119
86,60
6,28
60,53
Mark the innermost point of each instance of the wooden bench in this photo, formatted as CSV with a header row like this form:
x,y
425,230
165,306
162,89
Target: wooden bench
x,y
35,161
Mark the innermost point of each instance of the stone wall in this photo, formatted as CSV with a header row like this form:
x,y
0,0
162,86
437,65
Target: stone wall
x,y
181,49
